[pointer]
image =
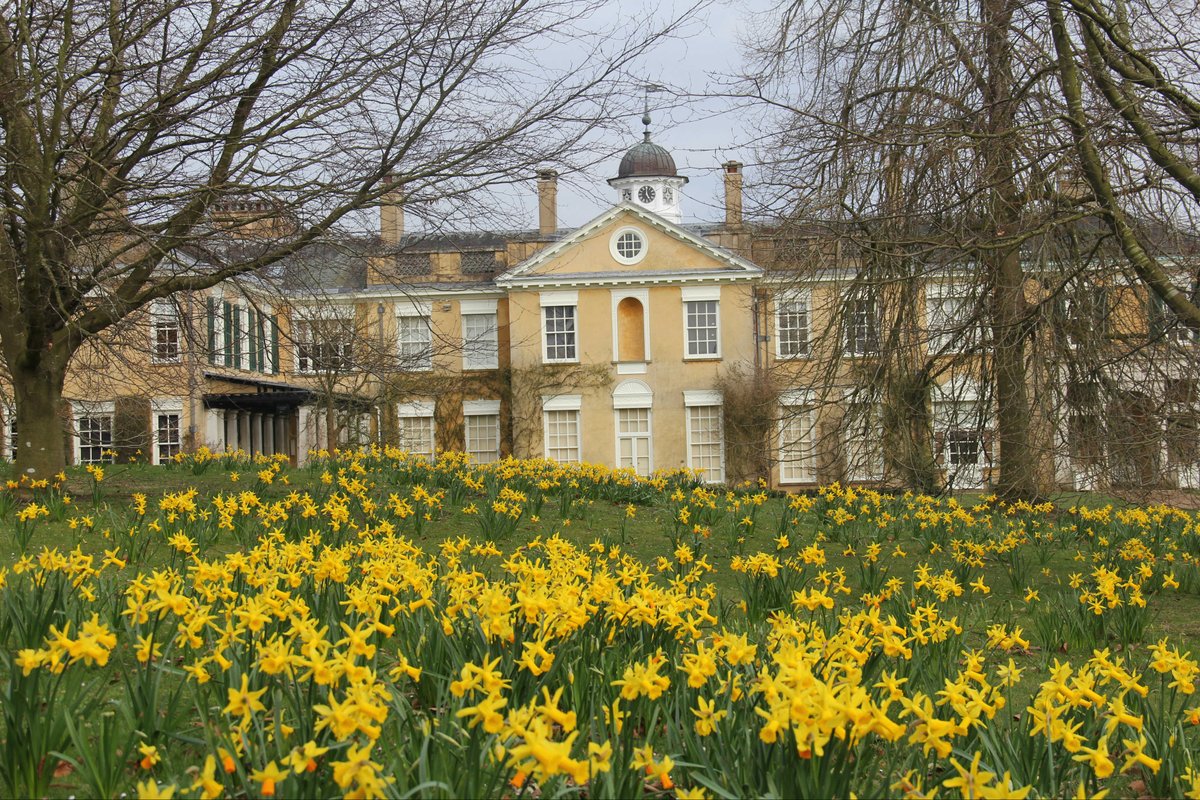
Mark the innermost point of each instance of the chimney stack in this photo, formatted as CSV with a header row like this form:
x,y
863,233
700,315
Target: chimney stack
x,y
391,215
547,187
733,192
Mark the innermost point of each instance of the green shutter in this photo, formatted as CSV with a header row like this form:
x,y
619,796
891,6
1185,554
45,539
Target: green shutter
x,y
1156,313
229,334
252,333
274,345
212,330
237,336
263,356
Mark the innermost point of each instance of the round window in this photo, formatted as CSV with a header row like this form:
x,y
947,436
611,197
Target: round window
x,y
628,246
646,194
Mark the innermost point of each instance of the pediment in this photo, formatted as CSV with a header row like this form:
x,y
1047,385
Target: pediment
x,y
628,241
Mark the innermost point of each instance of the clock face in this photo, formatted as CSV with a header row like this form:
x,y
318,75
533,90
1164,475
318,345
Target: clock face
x,y
668,195
646,194
627,194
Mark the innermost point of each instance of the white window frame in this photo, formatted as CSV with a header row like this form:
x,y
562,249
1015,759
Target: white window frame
x,y
1180,415
481,410
948,335
646,435
956,417
82,411
1173,331
170,406
616,253
634,395
415,353
787,299
480,351
797,467
303,321
414,410
560,300
571,405
701,294
709,399
864,456
164,311
853,346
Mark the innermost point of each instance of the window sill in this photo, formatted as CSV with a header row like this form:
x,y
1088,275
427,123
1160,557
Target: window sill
x,y
631,367
702,358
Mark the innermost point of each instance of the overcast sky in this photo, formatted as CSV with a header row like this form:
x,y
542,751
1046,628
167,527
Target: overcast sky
x,y
700,132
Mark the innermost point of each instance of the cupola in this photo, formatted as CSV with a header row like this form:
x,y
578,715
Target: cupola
x,y
647,177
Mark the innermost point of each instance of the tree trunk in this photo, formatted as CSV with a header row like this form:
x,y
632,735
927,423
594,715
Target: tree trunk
x,y
1017,461
41,444
908,432
331,426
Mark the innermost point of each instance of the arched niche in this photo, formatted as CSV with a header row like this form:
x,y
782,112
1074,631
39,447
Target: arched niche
x,y
631,330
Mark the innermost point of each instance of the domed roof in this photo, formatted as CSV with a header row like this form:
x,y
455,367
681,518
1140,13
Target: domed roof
x,y
646,159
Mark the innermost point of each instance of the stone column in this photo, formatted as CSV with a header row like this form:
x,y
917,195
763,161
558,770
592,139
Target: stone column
x,y
268,434
243,431
281,434
256,434
230,441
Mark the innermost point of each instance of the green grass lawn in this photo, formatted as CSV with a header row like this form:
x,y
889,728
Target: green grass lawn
x,y
649,534
1003,570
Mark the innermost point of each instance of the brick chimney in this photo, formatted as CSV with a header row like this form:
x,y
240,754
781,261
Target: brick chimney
x,y
391,215
547,188
733,192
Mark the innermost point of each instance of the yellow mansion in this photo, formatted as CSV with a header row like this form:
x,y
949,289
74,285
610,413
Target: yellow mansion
x,y
634,341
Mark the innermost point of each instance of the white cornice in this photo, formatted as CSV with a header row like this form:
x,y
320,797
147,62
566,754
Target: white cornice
x,y
577,280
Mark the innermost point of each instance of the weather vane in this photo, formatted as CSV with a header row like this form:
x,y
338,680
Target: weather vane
x,y
649,87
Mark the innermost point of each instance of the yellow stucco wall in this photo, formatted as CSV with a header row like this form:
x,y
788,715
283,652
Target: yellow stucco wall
x,y
667,372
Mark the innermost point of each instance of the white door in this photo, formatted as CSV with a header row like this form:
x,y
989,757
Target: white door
x,y
633,440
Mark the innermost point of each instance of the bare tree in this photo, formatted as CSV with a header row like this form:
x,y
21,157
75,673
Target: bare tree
x,y
922,137
1129,73
124,127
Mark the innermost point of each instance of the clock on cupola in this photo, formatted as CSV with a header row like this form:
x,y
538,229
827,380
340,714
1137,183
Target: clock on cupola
x,y
647,177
